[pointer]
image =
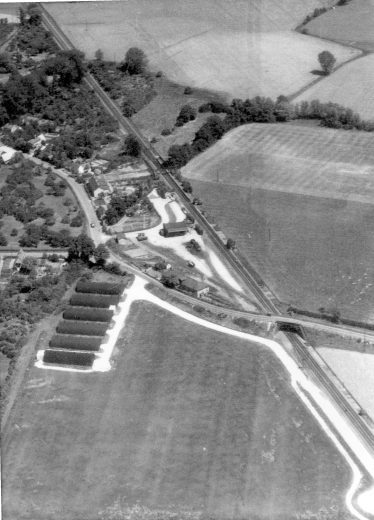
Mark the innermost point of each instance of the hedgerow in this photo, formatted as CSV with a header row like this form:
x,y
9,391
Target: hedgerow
x,y
83,328
88,314
71,342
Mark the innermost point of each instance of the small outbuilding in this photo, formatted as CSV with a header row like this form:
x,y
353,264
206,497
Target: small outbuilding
x,y
175,229
195,287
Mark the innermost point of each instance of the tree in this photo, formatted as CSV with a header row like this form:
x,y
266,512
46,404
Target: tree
x,y
101,254
81,247
135,61
186,185
187,113
3,240
99,55
68,66
131,146
230,244
327,61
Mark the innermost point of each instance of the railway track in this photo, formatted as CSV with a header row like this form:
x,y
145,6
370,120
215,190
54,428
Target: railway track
x,y
247,277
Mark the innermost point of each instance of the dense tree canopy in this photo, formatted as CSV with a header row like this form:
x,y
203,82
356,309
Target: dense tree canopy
x,y
135,61
327,61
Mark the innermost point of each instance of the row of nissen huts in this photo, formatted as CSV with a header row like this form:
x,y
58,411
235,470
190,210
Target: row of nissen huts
x,y
81,332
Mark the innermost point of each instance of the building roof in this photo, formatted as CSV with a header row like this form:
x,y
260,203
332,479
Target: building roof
x,y
194,285
176,226
6,153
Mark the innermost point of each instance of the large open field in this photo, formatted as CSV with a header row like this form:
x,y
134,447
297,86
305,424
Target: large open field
x,y
239,48
351,86
189,423
350,24
298,200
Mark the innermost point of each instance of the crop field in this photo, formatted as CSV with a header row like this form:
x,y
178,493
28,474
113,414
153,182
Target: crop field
x,y
297,201
188,424
349,24
244,49
351,86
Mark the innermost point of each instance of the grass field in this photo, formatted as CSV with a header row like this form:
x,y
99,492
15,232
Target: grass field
x,y
161,113
351,86
242,49
290,197
187,424
349,24
354,368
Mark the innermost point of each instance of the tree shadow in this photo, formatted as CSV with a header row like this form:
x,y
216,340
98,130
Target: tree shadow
x,y
318,72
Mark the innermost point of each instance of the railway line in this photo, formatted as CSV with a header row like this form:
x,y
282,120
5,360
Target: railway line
x,y
268,304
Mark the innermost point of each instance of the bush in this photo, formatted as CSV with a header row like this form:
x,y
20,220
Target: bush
x,y
100,287
186,114
199,230
83,328
77,221
62,357
88,314
166,131
188,90
242,322
94,300
72,342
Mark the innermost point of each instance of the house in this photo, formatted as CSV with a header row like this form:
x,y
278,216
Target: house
x,y
6,153
194,287
175,229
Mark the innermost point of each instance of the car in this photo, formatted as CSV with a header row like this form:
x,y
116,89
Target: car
x,y
92,224
141,236
190,263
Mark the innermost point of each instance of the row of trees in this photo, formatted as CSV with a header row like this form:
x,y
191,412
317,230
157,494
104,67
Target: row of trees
x,y
261,110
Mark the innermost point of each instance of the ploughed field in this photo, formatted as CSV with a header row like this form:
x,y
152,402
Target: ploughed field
x,y
239,48
188,423
299,202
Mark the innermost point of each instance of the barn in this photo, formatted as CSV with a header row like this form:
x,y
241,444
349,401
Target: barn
x,y
175,229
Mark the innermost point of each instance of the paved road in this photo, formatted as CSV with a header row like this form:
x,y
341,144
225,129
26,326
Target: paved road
x,y
83,199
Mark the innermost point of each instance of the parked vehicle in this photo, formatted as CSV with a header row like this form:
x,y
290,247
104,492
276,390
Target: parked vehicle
x,y
141,236
190,263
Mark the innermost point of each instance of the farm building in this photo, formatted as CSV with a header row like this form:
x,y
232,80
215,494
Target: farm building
x,y
175,229
194,287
